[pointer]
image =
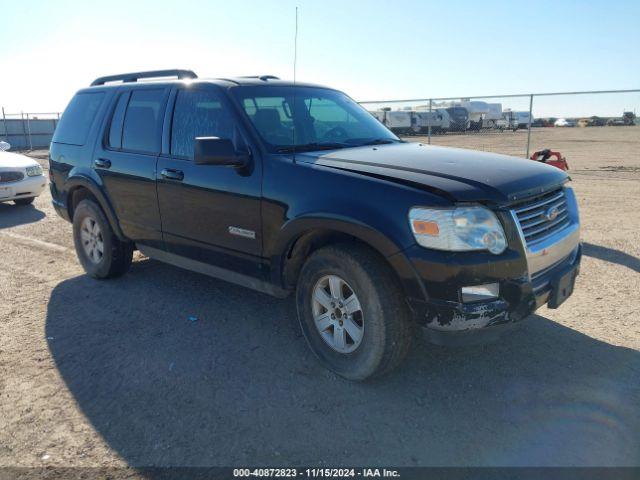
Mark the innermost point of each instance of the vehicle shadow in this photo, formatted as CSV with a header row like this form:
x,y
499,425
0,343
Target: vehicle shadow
x,y
12,215
611,255
173,368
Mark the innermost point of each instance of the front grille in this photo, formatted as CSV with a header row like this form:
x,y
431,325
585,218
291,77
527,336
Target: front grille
x,y
6,177
543,215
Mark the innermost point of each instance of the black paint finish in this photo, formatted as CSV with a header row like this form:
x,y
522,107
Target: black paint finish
x,y
363,193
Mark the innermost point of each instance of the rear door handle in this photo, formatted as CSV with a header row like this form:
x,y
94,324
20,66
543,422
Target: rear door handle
x,y
102,163
172,174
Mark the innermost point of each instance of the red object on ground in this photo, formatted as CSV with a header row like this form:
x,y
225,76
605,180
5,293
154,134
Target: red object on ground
x,y
544,156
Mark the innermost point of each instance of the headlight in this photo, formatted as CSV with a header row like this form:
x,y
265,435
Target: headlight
x,y
458,229
34,171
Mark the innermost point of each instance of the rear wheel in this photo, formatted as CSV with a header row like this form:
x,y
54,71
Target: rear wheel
x,y
99,250
24,201
352,312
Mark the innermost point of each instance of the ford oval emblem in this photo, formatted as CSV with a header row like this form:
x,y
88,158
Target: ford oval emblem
x,y
552,214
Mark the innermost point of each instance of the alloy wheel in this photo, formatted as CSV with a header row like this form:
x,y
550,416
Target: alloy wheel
x,y
92,240
337,314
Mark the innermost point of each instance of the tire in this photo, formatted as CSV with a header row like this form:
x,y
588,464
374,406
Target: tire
x,y
114,259
24,201
385,336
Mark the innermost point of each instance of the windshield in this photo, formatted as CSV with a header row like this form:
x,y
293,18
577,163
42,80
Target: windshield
x,y
305,119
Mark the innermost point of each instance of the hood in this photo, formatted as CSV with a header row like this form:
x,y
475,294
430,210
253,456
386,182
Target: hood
x,y
459,174
10,160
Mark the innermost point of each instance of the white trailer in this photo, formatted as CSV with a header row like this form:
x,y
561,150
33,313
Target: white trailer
x,y
437,119
493,117
398,121
523,119
477,110
510,119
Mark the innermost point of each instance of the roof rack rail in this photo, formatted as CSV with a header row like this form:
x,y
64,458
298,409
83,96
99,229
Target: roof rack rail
x,y
264,78
135,76
230,80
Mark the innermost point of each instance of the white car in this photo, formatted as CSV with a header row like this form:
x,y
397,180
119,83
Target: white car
x,y
21,178
563,122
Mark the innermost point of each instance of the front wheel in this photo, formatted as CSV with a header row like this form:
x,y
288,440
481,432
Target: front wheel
x,y
352,312
99,250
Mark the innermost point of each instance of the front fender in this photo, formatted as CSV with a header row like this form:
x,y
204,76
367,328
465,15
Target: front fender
x,y
297,228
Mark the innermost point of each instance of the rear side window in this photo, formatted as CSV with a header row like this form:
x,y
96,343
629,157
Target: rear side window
x,y
198,113
140,131
115,130
77,119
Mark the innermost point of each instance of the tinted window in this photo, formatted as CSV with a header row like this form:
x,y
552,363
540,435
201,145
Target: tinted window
x,y
141,132
115,130
328,114
306,116
198,113
77,118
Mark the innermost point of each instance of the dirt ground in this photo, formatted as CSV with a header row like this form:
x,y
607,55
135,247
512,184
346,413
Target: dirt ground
x,y
109,374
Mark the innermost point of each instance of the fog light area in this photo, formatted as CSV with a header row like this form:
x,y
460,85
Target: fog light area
x,y
475,293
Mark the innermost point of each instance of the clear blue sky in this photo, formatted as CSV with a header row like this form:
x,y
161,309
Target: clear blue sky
x,y
370,49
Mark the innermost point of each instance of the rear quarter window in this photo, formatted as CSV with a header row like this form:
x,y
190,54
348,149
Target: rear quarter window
x,y
77,118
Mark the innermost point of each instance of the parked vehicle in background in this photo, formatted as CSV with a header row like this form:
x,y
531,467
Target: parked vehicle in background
x,y
21,178
593,121
476,110
399,121
628,119
511,120
292,188
523,119
438,120
493,117
458,119
563,122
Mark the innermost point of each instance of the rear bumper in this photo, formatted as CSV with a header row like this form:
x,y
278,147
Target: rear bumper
x,y
58,202
61,209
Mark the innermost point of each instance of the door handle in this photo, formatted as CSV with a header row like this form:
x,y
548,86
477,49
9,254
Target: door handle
x,y
102,163
172,174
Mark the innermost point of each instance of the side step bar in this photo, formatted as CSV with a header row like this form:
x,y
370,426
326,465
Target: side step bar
x,y
213,271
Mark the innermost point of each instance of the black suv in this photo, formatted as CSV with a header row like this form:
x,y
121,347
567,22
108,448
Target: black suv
x,y
289,187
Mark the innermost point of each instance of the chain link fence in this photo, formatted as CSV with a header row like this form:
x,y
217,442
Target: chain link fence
x,y
512,124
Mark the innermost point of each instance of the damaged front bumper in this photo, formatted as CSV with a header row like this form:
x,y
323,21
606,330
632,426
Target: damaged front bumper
x,y
528,277
451,322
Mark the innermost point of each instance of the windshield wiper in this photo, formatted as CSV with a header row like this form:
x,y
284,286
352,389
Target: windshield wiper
x,y
309,147
379,141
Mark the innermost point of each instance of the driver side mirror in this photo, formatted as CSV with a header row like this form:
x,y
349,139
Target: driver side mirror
x,y
218,151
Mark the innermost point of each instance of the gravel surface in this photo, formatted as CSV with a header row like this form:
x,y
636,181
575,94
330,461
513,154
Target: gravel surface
x,y
116,373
